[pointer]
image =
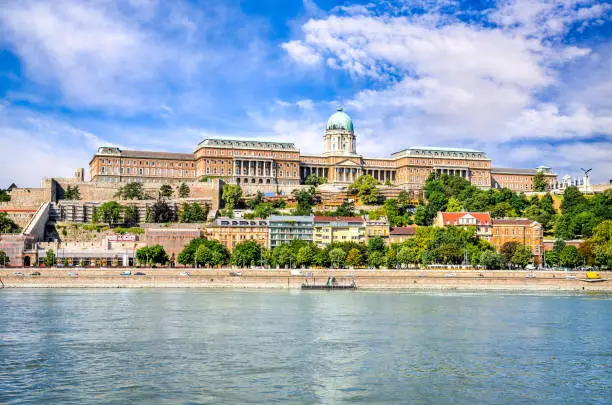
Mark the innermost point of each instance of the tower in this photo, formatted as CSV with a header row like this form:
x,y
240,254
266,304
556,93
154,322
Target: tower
x,y
339,138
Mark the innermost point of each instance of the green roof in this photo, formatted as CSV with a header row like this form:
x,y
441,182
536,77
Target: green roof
x,y
340,120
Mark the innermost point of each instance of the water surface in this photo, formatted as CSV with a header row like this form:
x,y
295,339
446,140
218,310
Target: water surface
x,y
159,346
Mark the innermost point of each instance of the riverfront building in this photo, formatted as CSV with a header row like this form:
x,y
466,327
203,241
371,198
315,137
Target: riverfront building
x,y
338,229
280,165
522,230
402,234
480,220
286,229
231,231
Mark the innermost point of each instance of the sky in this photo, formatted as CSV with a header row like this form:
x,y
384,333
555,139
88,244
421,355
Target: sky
x,y
527,81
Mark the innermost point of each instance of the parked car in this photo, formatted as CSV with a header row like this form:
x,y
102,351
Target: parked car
x,y
185,274
73,274
139,273
235,273
451,274
18,273
35,273
126,273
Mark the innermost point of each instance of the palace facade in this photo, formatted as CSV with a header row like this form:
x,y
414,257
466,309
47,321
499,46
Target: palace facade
x,y
281,164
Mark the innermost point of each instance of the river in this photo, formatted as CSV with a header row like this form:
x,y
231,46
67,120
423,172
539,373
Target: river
x,y
192,346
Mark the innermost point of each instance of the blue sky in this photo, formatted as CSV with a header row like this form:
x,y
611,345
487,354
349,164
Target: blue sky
x,y
529,82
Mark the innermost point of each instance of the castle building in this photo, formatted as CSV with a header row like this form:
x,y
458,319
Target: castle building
x,y
275,165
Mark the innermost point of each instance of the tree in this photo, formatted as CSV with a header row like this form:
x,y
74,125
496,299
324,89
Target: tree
x,y
564,227
72,193
346,209
160,212
258,199
152,255
365,188
391,258
569,256
453,205
306,199
247,253
490,260
322,258
231,195
336,257
407,255
420,216
211,253
166,191
184,190
353,258
49,259
109,212
4,259
7,225
376,244
305,256
587,252
376,259
131,191
314,180
4,196
522,256
187,255
573,200
539,182
130,215
507,252
449,253
193,212
264,210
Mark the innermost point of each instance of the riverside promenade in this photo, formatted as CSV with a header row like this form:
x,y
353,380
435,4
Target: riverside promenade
x,y
468,280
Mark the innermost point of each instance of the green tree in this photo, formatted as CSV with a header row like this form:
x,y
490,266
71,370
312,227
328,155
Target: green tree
x,y
109,212
376,259
353,258
391,258
539,182
365,188
283,255
231,195
258,199
376,244
305,256
573,201
49,260
522,256
130,215
314,180
569,256
211,253
194,212
507,252
420,216
264,210
490,260
453,205
4,259
346,209
4,196
152,255
166,191
72,193
408,255
184,190
247,253
160,212
336,257
564,227
306,199
7,225
187,255
321,258
131,191
449,253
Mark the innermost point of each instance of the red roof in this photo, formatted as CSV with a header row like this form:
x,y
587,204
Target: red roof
x,y
337,219
452,218
403,230
513,221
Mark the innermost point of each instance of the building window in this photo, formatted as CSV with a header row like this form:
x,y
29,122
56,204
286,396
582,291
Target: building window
x,y
140,171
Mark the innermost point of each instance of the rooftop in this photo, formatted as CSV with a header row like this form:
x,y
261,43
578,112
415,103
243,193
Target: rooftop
x,y
247,144
338,219
145,154
442,152
508,170
481,217
513,221
286,218
403,230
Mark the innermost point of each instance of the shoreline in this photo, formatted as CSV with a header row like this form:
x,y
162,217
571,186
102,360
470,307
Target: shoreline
x,y
367,280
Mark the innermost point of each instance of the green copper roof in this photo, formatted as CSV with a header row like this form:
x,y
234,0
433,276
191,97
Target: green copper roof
x,y
340,120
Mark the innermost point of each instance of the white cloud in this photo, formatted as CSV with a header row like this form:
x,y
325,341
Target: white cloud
x,y
301,53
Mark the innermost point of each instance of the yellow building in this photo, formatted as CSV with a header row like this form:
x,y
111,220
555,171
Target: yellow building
x,y
377,227
231,231
338,229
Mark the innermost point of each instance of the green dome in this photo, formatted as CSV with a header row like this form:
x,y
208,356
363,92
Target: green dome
x,y
340,120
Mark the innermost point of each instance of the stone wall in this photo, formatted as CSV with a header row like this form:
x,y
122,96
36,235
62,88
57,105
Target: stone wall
x,y
173,237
